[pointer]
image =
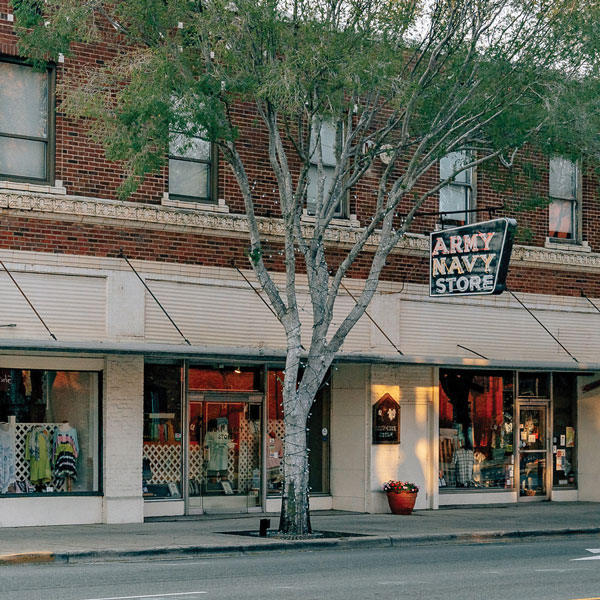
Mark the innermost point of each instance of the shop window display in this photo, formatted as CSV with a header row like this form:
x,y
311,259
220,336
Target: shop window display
x,y
225,450
225,427
162,459
317,438
564,442
48,431
476,430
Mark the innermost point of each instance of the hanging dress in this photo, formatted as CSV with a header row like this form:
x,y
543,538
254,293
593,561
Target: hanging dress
x,y
37,453
65,451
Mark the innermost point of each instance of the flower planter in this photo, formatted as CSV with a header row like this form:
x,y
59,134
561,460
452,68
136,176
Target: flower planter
x,y
401,503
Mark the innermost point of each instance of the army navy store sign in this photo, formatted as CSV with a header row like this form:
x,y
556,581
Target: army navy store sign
x,y
472,259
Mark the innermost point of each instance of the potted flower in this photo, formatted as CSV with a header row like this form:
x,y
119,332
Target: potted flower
x,y
401,496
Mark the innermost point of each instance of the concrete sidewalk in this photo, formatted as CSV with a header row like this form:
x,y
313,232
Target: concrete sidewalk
x,y
205,535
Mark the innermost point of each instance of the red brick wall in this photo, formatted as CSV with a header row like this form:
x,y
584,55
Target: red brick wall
x,y
64,237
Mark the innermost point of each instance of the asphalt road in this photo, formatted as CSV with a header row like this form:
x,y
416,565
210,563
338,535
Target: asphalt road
x,y
541,569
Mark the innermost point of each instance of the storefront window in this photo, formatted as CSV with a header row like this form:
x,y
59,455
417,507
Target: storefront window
x,y
564,442
318,438
161,474
49,440
534,385
476,429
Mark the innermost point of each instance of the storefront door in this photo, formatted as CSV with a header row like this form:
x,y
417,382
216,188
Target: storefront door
x,y
533,457
223,455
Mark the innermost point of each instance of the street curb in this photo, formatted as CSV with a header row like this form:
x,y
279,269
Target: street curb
x,y
347,543
22,558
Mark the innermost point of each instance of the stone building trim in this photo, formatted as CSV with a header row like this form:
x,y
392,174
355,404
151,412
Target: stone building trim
x,y
96,211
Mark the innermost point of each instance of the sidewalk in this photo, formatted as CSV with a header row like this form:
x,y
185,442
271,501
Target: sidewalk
x,y
207,534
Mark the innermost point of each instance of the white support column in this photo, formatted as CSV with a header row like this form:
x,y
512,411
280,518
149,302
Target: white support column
x,y
123,406
125,308
413,387
349,453
434,490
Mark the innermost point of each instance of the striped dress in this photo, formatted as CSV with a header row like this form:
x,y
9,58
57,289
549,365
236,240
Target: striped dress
x,y
65,450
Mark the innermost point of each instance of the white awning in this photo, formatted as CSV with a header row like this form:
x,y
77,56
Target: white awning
x,y
246,354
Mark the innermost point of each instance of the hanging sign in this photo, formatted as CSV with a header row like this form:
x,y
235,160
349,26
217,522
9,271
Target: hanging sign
x,y
386,421
472,259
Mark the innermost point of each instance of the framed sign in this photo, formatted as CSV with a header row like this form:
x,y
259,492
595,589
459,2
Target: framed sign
x,y
386,421
472,259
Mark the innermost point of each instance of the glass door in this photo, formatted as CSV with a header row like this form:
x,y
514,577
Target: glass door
x,y
224,456
533,452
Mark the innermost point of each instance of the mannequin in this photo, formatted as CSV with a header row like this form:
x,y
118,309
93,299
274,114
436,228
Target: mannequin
x,y
463,462
274,455
216,443
65,451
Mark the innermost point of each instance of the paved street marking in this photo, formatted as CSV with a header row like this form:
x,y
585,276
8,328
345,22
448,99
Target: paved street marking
x,y
490,572
559,570
160,596
400,582
286,587
594,551
179,563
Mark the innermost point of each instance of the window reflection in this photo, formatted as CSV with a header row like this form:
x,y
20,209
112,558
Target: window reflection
x,y
476,429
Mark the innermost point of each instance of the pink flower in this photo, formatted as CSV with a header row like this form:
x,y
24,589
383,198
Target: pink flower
x,y
400,486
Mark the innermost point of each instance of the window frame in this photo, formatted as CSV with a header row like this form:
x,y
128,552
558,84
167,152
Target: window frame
x,y
342,211
97,472
213,178
50,140
468,188
575,202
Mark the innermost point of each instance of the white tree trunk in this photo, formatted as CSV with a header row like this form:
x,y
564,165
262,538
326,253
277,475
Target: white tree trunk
x,y
295,516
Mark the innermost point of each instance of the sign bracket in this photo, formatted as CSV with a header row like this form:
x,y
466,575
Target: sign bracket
x,y
491,210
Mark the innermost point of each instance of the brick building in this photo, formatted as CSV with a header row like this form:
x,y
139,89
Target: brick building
x,y
120,418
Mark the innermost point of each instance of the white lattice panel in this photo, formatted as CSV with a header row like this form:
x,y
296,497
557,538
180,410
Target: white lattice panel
x,y
277,426
197,468
248,460
165,462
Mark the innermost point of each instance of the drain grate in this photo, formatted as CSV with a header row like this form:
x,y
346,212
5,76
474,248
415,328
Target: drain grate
x,y
315,535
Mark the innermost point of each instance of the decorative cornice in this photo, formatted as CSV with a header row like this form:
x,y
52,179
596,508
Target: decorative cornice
x,y
565,259
132,214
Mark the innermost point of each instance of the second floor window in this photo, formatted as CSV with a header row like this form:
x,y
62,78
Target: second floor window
x,y
328,139
25,123
457,196
562,183
192,169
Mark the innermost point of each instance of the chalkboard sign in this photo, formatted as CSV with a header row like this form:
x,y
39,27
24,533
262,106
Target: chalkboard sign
x,y
386,421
